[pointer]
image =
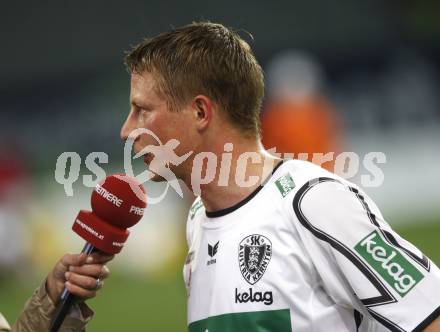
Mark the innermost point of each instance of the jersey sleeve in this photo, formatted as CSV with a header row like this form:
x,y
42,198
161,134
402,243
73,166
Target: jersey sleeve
x,y
362,262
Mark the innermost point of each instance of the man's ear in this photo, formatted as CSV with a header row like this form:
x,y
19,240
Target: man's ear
x,y
203,112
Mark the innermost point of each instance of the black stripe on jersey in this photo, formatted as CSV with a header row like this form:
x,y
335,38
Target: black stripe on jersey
x,y
428,320
422,261
357,319
385,322
386,296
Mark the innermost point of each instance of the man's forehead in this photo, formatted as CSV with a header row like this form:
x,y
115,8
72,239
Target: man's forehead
x,y
142,81
141,85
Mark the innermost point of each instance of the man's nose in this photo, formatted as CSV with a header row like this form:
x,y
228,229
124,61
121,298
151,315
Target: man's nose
x,y
126,129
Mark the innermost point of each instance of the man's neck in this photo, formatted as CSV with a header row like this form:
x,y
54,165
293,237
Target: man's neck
x,y
238,173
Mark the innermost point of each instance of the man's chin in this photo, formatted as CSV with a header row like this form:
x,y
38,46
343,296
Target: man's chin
x,y
157,178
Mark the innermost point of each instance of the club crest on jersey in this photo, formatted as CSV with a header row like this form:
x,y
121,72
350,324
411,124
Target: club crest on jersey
x,y
254,253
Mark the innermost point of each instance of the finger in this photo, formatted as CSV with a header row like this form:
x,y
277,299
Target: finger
x,y
79,291
64,263
85,282
73,259
91,270
99,258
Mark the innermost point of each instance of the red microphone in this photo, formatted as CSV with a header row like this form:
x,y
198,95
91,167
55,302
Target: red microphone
x,y
118,202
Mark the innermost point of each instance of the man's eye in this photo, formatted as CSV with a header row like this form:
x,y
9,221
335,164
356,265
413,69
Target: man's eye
x,y
143,114
144,109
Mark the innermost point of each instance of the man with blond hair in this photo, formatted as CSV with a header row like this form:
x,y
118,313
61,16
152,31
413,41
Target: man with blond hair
x,y
273,245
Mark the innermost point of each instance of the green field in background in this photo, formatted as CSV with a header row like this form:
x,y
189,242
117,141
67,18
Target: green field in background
x,y
130,303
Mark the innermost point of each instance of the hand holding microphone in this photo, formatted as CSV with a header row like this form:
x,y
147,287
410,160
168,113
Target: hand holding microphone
x,y
79,274
118,203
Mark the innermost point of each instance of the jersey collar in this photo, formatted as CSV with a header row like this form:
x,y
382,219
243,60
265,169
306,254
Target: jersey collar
x,y
225,211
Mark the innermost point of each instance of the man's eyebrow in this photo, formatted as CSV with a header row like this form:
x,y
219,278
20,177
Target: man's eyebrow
x,y
134,102
139,104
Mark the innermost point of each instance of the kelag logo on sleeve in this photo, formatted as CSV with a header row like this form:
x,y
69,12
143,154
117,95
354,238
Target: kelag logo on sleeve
x,y
394,268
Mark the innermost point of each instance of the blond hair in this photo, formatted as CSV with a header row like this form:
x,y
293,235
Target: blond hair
x,y
204,58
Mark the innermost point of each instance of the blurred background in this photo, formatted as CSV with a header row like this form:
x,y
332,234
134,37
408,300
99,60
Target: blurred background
x,y
356,76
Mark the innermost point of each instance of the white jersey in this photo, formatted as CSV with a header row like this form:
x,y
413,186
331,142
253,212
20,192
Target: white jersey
x,y
308,251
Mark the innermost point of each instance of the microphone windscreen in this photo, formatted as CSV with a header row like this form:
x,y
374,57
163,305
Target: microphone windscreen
x,y
120,200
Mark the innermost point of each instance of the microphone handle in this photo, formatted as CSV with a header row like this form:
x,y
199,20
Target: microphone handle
x,y
67,299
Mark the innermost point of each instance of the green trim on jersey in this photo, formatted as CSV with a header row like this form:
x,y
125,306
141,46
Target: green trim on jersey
x,y
194,208
257,321
394,268
285,184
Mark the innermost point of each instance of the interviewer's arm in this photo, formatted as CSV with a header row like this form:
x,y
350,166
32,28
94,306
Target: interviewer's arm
x,y
79,277
38,312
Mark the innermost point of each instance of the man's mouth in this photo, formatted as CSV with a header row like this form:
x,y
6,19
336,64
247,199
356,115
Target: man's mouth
x,y
148,157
